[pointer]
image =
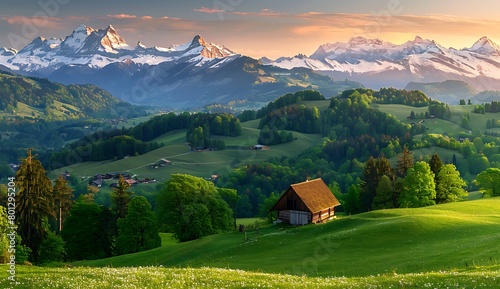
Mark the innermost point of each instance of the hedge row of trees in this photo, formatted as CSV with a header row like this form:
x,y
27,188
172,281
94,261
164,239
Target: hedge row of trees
x,y
492,107
392,95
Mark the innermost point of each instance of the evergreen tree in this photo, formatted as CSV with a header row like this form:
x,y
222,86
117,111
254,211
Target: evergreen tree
x,y
34,203
405,162
384,194
419,189
63,199
121,197
384,168
450,187
352,202
435,164
138,231
369,184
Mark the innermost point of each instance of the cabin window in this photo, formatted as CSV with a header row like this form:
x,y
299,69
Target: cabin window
x,y
292,204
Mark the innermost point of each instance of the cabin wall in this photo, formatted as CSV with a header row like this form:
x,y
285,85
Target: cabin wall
x,y
323,215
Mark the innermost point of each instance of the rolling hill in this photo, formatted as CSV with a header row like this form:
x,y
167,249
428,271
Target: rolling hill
x,y
453,236
37,98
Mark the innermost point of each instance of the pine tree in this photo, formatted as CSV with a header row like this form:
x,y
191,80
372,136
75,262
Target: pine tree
x,y
121,197
405,161
369,185
436,164
34,203
63,200
384,196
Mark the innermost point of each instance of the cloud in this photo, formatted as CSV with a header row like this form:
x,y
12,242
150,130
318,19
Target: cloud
x,y
262,12
209,10
122,16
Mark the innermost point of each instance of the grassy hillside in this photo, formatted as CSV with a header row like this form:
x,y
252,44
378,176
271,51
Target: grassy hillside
x,y
452,126
202,164
37,98
453,236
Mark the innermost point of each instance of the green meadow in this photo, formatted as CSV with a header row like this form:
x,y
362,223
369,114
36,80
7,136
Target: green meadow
x,y
444,246
203,164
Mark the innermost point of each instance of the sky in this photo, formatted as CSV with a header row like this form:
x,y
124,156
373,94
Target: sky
x,y
256,28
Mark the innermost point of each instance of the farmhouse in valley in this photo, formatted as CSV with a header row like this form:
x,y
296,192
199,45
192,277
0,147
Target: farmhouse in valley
x,y
306,202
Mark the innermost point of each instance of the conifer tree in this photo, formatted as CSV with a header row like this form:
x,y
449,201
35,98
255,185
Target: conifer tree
x,y
34,203
63,199
405,161
436,164
384,194
121,197
369,185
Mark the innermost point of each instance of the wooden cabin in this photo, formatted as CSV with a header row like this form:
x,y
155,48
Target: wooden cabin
x,y
306,202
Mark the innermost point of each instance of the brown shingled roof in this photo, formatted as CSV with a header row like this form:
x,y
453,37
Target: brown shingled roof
x,y
315,195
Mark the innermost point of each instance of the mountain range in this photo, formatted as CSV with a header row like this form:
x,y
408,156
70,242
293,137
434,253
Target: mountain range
x,y
199,73
185,76
377,63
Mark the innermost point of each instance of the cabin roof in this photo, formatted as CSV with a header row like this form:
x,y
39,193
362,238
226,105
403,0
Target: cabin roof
x,y
315,195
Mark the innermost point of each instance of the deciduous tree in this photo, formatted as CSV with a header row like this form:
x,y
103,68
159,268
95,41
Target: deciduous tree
x,y
489,181
450,187
138,231
192,208
419,189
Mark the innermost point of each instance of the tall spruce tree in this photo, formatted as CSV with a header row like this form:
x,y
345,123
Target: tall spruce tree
x,y
436,164
34,203
405,162
369,184
63,200
121,197
384,196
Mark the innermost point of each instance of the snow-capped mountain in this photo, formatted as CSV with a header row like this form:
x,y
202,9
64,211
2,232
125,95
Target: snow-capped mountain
x,y
98,48
190,75
378,63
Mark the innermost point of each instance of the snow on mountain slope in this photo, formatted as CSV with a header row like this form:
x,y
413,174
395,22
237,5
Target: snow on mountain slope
x,y
418,60
98,48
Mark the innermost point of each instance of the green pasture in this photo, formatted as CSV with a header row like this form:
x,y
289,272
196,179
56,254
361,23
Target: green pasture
x,y
456,236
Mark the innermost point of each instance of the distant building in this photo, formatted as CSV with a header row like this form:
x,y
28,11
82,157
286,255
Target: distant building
x,y
306,202
260,147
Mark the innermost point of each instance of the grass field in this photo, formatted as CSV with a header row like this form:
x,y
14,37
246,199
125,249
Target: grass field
x,y
444,246
203,164
158,277
454,236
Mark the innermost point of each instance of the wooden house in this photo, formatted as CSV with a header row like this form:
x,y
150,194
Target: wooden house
x,y
306,202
